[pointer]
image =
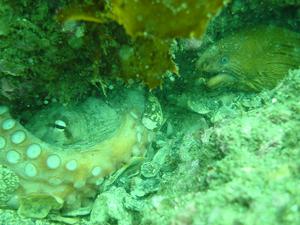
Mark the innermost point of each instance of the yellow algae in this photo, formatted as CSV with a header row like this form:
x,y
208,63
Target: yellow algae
x,y
83,12
147,59
165,18
151,25
162,19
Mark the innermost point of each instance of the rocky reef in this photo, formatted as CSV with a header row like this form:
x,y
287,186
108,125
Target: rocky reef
x,y
120,112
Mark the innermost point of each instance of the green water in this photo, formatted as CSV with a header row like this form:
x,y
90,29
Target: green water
x,y
208,155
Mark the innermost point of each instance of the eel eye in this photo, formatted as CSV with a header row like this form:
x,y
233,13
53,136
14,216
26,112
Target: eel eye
x,y
224,60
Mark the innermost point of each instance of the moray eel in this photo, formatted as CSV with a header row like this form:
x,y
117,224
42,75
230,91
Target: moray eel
x,y
61,155
251,59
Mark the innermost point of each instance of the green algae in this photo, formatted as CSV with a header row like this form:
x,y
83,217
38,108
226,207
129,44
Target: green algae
x,y
38,205
244,169
9,183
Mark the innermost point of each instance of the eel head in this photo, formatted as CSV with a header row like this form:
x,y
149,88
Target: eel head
x,y
218,67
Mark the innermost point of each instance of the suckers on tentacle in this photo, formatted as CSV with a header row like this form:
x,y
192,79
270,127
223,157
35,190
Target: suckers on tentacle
x,y
65,178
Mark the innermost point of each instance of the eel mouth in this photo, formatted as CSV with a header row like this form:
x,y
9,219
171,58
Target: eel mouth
x,y
220,80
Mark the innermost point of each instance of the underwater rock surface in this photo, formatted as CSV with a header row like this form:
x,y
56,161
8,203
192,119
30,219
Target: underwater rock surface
x,y
218,156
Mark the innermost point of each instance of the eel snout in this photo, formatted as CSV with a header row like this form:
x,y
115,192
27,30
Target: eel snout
x,y
220,80
215,78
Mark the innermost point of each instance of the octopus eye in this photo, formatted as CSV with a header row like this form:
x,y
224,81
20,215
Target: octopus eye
x,y
224,60
60,125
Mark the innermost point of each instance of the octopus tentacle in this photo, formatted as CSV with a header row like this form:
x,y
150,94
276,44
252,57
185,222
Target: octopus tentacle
x,y
72,175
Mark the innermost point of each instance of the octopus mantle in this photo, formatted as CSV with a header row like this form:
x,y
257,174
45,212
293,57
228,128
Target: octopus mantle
x,y
58,178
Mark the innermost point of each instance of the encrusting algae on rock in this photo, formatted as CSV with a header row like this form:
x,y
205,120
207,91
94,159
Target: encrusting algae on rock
x,y
251,59
9,183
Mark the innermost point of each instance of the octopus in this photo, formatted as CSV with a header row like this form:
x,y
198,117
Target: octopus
x,y
252,59
62,153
